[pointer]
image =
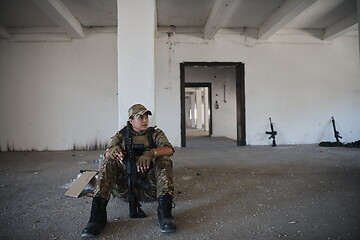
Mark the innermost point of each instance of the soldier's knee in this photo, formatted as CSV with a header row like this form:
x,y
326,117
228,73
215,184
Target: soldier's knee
x,y
110,166
163,162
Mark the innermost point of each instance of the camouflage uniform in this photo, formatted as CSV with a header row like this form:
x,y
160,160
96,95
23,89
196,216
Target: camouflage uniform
x,y
159,176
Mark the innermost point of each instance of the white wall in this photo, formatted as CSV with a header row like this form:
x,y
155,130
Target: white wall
x,y
58,95
299,81
61,95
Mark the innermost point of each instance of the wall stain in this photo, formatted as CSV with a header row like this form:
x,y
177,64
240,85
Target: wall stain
x,y
94,145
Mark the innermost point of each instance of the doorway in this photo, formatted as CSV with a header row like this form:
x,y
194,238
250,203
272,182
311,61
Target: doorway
x,y
238,99
198,111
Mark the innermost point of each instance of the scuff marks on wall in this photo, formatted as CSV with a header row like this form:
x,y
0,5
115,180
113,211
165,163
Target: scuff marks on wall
x,y
170,54
11,148
95,145
170,50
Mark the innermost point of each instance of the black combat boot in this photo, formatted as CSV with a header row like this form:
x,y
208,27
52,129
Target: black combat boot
x,y
166,220
98,218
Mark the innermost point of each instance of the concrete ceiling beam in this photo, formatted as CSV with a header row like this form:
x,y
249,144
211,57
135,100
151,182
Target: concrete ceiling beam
x,y
342,27
60,14
282,16
218,14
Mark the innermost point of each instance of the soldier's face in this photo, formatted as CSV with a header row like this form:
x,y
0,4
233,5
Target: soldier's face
x,y
140,122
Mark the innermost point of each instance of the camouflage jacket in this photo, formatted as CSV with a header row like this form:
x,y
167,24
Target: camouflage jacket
x,y
152,137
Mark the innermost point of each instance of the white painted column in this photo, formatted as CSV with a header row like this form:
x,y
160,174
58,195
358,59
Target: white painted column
x,y
136,56
206,104
187,111
192,104
202,109
198,109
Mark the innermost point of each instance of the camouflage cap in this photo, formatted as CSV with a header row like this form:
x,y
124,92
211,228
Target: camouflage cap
x,y
138,109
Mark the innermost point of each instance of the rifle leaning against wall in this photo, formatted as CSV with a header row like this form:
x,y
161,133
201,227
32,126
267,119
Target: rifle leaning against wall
x,y
337,136
272,133
336,133
132,177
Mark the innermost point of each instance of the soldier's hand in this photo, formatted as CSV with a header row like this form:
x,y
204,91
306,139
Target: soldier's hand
x,y
116,153
145,160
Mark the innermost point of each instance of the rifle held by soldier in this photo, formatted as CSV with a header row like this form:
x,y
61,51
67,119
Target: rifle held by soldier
x,y
132,176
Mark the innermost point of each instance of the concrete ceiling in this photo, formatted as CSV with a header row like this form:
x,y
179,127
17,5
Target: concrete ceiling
x,y
330,18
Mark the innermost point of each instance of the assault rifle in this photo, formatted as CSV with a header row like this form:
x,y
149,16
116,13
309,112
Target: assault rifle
x,y
272,134
132,177
336,133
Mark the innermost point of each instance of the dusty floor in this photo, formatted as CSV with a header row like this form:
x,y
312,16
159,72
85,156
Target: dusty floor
x,y
222,192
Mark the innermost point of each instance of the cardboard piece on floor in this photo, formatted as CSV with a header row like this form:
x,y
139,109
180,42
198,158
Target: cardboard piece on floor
x,y
79,184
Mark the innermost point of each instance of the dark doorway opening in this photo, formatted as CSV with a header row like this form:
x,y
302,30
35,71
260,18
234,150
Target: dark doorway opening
x,y
240,97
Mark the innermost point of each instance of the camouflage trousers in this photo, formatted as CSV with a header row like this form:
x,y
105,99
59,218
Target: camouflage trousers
x,y
111,179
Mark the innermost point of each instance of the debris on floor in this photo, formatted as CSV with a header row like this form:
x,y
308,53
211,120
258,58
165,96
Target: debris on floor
x,y
84,185
355,144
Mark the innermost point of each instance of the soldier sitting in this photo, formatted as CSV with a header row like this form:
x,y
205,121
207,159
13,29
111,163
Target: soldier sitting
x,y
154,165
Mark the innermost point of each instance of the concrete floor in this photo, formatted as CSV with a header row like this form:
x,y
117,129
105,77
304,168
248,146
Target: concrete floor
x,y
222,192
